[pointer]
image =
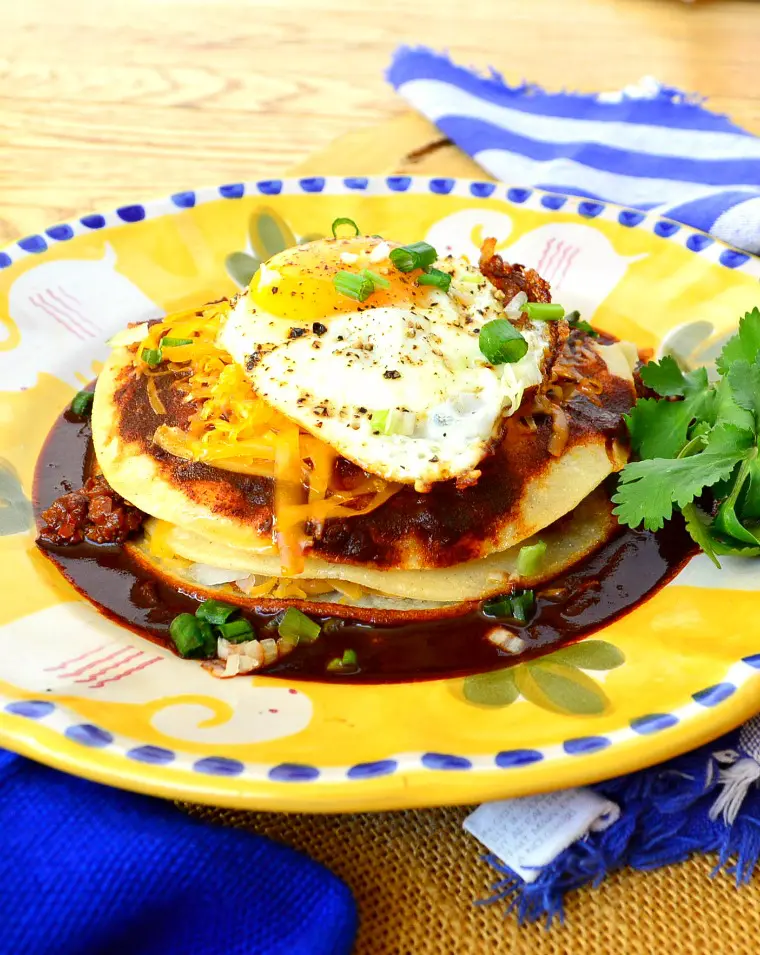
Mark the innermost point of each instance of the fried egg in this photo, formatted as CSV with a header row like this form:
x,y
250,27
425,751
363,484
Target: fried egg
x,y
397,383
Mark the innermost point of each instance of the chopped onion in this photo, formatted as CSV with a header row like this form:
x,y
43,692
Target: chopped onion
x,y
269,647
233,665
173,440
380,253
153,397
513,306
129,336
560,431
505,640
210,576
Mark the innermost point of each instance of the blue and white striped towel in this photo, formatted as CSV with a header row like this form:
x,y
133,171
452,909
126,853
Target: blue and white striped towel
x,y
649,146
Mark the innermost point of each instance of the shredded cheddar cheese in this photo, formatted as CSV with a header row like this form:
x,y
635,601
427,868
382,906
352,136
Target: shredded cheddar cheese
x,y
232,428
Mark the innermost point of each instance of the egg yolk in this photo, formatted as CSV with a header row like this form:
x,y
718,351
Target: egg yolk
x,y
298,284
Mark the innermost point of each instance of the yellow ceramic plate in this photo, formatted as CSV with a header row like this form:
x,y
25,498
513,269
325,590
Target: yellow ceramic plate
x,y
80,693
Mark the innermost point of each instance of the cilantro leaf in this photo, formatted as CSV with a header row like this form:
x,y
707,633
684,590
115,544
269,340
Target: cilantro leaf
x,y
701,530
574,320
749,508
726,521
727,437
648,490
660,429
743,346
698,526
665,377
725,410
744,382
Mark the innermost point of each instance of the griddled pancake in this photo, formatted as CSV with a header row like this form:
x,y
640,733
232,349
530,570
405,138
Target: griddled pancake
x,y
523,486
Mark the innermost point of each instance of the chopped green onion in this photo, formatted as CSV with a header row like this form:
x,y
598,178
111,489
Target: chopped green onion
x,y
82,403
298,625
574,320
379,420
208,648
418,255
333,625
437,278
215,611
186,633
175,342
518,606
152,356
353,285
501,343
523,605
543,311
237,631
379,281
344,221
349,661
497,606
530,558
393,421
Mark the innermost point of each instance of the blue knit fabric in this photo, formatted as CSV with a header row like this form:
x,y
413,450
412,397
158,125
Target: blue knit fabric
x,y
86,870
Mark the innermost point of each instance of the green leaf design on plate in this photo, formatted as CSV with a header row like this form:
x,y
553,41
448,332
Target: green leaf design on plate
x,y
269,233
589,655
16,514
241,267
496,688
560,688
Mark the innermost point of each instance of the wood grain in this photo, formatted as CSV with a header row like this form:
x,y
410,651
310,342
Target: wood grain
x,y
105,101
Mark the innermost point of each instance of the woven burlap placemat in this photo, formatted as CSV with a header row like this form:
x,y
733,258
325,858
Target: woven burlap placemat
x,y
416,876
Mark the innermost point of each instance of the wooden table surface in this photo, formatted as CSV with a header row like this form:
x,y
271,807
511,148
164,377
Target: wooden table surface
x,y
105,101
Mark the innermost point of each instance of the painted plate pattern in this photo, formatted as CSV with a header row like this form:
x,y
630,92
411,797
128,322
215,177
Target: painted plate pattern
x,y
80,693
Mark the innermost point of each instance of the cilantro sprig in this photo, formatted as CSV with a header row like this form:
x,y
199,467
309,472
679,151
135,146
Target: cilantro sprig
x,y
699,436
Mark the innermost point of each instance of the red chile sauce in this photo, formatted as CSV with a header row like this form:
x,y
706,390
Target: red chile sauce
x,y
628,569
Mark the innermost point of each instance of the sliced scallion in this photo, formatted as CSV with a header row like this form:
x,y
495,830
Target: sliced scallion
x,y
379,281
215,611
543,311
518,606
530,558
343,221
186,633
436,278
82,403
418,255
175,342
353,285
349,661
393,421
501,343
236,631
497,606
298,625
152,356
523,605
208,638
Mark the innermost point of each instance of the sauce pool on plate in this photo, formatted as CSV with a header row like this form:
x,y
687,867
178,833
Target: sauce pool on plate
x,y
626,570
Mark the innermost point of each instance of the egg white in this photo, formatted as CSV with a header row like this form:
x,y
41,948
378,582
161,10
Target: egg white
x,y
422,360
